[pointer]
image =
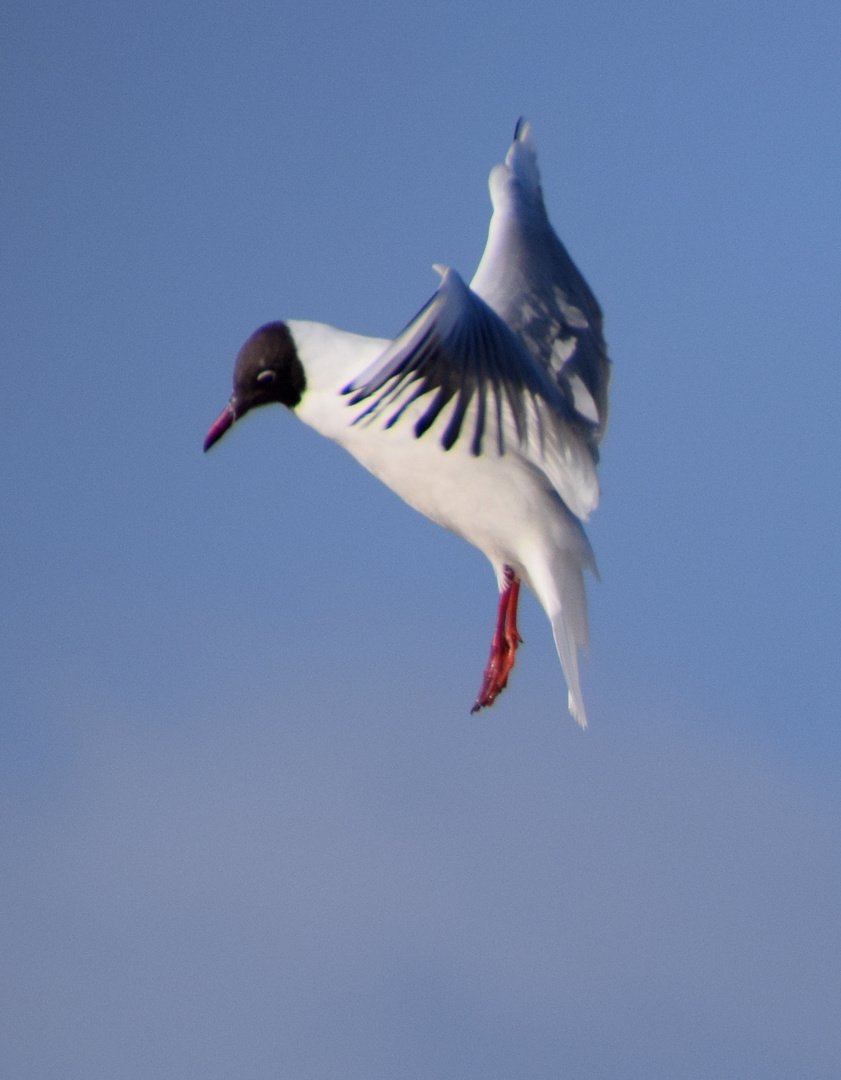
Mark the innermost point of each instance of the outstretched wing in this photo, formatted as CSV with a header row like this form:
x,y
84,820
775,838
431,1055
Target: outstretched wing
x,y
528,278
484,386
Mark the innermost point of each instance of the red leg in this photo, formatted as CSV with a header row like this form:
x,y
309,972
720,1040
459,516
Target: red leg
x,y
504,644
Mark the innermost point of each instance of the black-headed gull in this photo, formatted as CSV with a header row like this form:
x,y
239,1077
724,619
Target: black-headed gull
x,y
485,414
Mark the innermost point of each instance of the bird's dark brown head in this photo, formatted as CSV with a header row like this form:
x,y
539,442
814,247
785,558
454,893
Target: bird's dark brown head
x,y
267,370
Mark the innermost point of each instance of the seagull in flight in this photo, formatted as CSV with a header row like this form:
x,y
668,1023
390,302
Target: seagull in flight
x,y
485,413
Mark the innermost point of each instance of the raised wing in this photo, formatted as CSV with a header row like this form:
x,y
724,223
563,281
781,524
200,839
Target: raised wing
x,y
483,385
528,278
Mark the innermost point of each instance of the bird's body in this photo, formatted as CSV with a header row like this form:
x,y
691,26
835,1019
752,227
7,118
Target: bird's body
x,y
484,414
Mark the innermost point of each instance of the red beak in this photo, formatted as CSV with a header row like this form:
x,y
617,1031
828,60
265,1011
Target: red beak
x,y
221,425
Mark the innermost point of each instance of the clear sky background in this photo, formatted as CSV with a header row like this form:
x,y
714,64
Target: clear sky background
x,y
248,827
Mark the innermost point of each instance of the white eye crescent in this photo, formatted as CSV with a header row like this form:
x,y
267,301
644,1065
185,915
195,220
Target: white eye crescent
x,y
266,377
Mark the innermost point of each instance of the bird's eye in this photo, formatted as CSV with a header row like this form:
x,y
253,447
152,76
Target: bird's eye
x,y
266,377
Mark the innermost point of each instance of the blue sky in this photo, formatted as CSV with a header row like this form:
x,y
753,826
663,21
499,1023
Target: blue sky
x,y
247,824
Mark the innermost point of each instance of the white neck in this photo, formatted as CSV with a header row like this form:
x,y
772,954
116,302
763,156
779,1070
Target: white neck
x,y
331,358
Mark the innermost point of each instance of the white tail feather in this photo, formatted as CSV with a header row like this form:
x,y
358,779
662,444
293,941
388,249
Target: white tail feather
x,y
567,646
559,586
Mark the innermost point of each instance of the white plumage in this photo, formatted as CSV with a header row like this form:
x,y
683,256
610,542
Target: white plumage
x,y
485,414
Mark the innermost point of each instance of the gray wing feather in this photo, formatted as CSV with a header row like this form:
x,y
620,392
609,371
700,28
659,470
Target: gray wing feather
x,y
527,276
518,356
459,348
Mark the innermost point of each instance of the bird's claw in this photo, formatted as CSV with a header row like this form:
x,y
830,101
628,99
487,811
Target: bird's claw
x,y
504,646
